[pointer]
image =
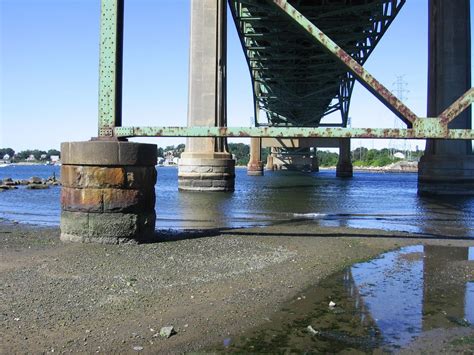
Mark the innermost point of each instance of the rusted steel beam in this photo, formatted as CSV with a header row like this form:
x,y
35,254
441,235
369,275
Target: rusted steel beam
x,y
426,128
362,75
458,106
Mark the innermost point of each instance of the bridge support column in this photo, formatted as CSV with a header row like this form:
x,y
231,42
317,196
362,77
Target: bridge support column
x,y
108,192
206,164
344,165
270,165
255,165
447,167
315,161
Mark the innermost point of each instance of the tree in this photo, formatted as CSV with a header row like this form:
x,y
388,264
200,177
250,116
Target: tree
x,y
52,152
4,151
241,152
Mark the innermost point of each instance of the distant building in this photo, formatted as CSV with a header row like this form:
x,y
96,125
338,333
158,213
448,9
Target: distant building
x,y
43,157
54,159
31,158
399,155
6,158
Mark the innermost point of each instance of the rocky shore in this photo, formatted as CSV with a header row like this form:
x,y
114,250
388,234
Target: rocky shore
x,y
207,285
33,183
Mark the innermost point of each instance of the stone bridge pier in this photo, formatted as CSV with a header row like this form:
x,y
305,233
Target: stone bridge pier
x,y
206,164
108,192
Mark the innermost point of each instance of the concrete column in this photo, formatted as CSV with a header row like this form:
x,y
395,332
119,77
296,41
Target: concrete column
x,y
206,164
270,165
315,161
448,165
344,165
255,165
108,192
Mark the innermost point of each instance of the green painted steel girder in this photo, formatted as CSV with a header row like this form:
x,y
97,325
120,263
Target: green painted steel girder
x,y
429,129
110,66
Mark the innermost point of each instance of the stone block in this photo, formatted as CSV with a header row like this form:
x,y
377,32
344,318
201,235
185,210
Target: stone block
x,y
81,200
138,177
92,176
113,225
74,223
108,153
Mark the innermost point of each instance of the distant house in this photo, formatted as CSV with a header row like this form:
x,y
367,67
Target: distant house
x,y
31,158
43,157
6,158
54,159
399,155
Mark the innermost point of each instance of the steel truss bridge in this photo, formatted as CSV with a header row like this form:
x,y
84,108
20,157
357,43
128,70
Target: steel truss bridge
x,y
304,57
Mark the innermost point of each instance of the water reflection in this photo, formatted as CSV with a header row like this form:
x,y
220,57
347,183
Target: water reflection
x,y
385,304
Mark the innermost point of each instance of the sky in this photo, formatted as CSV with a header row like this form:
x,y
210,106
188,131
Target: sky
x,y
49,70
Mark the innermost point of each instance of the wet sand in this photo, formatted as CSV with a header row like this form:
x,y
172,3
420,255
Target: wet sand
x,y
207,285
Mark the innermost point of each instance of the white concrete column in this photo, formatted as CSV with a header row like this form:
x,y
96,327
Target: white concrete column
x,y
255,165
206,164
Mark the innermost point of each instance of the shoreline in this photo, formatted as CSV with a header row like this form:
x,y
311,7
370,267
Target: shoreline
x,y
207,284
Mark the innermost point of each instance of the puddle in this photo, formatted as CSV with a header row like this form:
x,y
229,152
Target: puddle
x,y
384,304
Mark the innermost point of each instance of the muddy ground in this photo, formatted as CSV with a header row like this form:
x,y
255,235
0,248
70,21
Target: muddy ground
x,y
207,285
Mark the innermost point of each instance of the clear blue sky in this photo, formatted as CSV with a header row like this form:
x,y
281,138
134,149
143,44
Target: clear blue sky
x,y
49,69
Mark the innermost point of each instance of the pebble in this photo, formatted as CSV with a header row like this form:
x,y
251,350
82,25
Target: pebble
x,y
332,304
166,332
138,348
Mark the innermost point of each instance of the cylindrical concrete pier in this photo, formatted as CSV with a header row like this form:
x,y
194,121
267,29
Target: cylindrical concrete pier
x,y
447,167
206,164
108,192
344,165
255,165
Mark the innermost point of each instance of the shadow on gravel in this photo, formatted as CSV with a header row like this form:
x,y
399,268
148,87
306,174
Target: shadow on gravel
x,y
169,235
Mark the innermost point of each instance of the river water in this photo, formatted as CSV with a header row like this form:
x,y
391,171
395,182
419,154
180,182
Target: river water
x,y
368,200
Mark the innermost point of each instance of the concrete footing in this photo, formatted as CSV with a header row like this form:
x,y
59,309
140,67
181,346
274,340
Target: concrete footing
x,y
108,192
255,169
206,172
446,175
344,170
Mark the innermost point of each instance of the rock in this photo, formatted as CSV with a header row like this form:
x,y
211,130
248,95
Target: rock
x,y
8,182
166,332
138,348
312,330
332,304
35,180
37,187
7,187
24,182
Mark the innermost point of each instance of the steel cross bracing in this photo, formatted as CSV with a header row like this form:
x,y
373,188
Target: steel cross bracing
x,y
300,73
296,82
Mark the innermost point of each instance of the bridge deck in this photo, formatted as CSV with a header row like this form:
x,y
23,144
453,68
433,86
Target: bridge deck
x,y
296,82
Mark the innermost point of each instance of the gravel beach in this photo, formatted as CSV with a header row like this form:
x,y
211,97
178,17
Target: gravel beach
x,y
208,285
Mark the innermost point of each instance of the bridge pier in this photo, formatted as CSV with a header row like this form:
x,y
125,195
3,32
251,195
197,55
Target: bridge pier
x,y
255,165
108,192
447,168
206,164
344,165
299,159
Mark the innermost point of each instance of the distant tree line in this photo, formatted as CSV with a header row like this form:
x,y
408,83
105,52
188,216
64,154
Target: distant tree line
x,y
24,154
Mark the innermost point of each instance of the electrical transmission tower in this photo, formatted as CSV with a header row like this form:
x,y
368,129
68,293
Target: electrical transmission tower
x,y
400,89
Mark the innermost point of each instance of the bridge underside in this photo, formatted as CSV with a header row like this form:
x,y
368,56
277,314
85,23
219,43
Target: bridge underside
x,y
295,81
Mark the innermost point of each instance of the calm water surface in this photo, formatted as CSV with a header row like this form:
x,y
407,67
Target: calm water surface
x,y
369,200
384,304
